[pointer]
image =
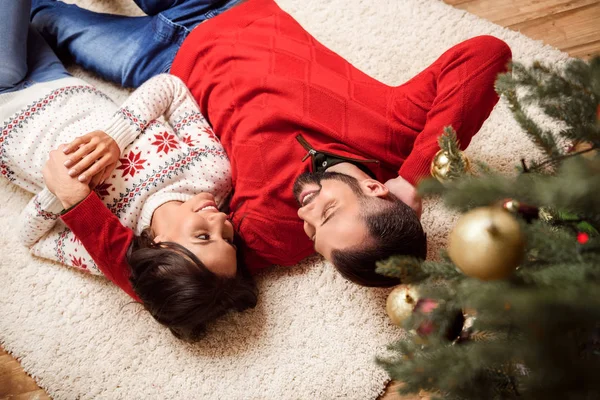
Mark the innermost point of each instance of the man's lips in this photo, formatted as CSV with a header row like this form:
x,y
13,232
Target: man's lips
x,y
305,195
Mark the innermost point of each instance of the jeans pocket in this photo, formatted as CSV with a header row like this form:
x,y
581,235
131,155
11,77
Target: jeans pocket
x,y
167,31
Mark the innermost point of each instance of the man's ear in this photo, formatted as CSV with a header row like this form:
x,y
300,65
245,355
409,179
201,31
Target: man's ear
x,y
374,188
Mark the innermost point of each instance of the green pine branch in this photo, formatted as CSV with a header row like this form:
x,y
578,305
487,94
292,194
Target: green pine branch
x,y
571,96
535,335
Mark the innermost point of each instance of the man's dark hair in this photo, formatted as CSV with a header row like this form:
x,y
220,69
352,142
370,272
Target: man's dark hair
x,y
179,291
394,229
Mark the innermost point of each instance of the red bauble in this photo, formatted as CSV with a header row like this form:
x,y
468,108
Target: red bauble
x,y
583,237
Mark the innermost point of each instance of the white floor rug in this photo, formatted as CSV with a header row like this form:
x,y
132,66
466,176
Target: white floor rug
x,y
313,335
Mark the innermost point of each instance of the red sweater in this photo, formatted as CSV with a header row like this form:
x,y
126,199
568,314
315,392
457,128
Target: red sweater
x,y
271,91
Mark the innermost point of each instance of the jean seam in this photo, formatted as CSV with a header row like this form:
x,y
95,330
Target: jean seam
x,y
176,30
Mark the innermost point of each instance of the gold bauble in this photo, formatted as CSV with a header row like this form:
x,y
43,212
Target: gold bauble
x,y
400,303
440,166
512,206
487,243
579,146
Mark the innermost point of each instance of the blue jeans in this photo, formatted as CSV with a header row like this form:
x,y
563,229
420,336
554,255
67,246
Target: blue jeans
x,y
25,58
125,50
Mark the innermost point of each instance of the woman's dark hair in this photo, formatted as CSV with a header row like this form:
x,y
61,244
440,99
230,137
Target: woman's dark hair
x,y
179,291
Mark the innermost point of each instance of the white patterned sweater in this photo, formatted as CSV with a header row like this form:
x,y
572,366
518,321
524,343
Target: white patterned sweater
x,y
159,162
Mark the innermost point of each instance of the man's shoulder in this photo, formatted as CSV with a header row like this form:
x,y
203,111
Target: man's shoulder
x,y
275,240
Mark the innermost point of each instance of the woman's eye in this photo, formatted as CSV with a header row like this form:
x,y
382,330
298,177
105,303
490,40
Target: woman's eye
x,y
204,236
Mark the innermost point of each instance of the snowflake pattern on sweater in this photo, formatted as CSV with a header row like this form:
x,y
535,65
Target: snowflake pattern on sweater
x,y
168,153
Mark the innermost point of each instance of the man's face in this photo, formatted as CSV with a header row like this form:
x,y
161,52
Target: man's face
x,y
330,207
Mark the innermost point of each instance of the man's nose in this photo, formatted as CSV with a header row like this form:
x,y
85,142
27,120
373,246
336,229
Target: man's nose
x,y
305,212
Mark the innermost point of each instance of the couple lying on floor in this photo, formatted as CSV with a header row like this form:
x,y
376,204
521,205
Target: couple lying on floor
x,y
323,157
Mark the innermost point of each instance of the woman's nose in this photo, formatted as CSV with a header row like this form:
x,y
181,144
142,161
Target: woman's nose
x,y
217,218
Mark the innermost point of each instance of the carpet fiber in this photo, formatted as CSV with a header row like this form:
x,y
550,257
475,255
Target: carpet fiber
x,y
313,335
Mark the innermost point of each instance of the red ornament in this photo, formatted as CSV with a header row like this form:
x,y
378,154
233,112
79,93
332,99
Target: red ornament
x,y
426,306
583,237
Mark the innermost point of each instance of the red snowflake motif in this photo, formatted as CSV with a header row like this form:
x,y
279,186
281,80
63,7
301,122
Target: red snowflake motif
x,y
78,263
131,164
102,190
75,240
189,141
165,142
211,134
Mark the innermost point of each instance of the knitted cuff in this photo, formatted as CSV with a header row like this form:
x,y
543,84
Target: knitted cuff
x,y
48,202
122,130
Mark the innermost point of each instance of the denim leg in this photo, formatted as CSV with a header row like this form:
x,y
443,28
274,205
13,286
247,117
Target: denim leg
x,y
125,50
43,65
153,7
189,13
13,36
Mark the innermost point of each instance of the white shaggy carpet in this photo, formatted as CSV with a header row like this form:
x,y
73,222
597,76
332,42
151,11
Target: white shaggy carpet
x,y
313,335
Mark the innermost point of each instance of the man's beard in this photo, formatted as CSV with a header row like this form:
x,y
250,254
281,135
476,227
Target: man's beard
x,y
316,178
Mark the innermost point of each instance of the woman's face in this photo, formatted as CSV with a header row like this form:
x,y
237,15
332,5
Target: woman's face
x,y
201,228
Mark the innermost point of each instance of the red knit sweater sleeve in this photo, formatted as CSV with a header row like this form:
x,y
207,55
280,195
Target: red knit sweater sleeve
x,y
461,88
104,237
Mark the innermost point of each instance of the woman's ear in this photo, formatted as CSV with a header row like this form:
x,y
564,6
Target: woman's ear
x,y
374,188
159,239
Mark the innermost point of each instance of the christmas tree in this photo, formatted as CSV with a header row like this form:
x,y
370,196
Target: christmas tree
x,y
512,307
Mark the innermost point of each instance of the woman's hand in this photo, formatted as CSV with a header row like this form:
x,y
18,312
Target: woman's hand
x,y
92,157
406,192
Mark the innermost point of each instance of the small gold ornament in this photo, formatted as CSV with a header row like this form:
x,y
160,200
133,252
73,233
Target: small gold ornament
x,y
525,211
512,206
400,303
487,243
581,146
441,165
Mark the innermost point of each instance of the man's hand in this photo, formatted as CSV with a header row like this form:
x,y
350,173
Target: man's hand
x,y
92,157
405,192
67,189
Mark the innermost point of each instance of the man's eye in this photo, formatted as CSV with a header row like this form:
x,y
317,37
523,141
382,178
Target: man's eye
x,y
326,211
204,236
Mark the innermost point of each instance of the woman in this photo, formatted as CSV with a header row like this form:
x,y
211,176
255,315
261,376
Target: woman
x,y
169,182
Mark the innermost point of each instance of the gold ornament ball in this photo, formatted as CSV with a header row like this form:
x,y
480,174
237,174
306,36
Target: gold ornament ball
x,y
583,146
512,206
487,243
440,166
400,303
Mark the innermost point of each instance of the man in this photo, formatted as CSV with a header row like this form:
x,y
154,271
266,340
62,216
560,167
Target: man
x,y
283,106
